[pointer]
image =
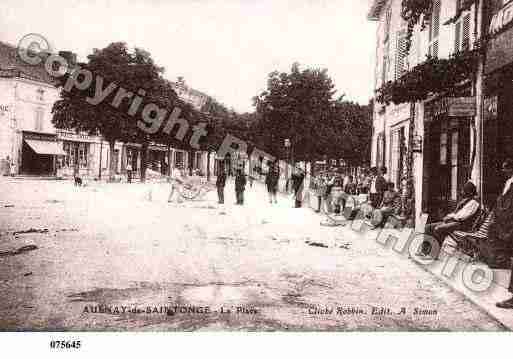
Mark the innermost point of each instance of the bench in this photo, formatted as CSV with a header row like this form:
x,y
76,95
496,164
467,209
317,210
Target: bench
x,y
469,242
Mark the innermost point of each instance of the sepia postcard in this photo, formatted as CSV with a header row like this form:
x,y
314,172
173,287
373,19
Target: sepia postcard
x,y
255,166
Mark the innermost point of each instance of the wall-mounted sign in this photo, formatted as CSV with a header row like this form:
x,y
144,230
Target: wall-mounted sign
x,y
502,18
451,107
72,136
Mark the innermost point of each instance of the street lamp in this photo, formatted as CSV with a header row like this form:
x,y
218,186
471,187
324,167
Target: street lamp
x,y
287,149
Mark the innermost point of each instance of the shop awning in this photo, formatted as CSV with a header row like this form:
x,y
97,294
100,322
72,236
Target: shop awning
x,y
45,147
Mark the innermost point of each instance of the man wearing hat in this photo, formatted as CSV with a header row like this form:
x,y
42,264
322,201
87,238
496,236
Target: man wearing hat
x,y
460,220
503,221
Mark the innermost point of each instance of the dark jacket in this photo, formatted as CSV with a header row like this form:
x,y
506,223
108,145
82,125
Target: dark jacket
x,y
297,181
271,180
381,184
350,188
240,182
221,180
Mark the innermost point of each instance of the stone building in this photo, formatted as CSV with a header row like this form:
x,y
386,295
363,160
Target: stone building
x,y
442,131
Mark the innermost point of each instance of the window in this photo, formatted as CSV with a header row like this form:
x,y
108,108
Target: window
x,y
76,153
434,29
39,115
462,34
386,46
83,151
69,157
179,159
40,94
401,55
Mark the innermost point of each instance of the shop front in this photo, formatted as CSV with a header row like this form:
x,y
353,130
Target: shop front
x,y
448,156
79,151
158,159
40,153
498,102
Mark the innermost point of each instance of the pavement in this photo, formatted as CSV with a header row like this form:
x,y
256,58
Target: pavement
x,y
106,257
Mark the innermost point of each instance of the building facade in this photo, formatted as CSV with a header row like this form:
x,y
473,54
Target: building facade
x,y
31,145
442,129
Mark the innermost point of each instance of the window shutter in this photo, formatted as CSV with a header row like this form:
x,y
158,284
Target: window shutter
x,y
465,41
401,55
435,21
457,35
433,49
388,20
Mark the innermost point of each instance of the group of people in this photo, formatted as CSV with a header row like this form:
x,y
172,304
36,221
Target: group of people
x,y
335,188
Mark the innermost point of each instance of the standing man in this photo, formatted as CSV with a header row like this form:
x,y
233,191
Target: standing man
x,y
503,227
220,184
298,179
240,186
129,172
271,182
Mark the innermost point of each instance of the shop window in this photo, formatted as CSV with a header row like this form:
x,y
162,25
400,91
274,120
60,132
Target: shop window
x,y
83,150
69,157
179,159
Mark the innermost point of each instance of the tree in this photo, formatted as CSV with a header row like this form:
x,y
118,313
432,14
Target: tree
x,y
299,105
111,69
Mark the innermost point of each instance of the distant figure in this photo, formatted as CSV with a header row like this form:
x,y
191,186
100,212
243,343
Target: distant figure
x,y
177,179
220,184
298,178
13,170
129,172
271,182
240,186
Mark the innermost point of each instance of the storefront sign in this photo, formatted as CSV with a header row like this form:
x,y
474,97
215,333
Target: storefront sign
x,y
39,136
501,19
72,136
451,107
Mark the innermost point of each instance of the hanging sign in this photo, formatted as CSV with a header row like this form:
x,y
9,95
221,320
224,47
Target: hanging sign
x,y
451,107
502,18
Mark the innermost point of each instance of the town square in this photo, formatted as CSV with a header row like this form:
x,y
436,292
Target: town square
x,y
341,166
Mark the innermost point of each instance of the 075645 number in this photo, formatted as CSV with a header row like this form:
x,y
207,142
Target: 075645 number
x,y
65,344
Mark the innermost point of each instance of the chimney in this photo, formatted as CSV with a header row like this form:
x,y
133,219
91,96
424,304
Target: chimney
x,y
70,57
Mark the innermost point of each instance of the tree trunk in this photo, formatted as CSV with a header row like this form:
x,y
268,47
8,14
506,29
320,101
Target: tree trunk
x,y
169,159
144,160
208,165
112,163
190,160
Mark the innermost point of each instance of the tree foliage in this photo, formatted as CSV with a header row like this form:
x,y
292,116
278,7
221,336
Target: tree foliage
x,y
432,76
299,105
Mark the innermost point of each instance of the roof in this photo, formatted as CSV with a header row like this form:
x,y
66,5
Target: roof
x,y
11,65
375,10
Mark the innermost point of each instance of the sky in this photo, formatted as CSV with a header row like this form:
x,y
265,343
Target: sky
x,y
225,48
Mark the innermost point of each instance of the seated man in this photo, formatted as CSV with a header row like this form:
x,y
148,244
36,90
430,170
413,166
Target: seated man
x,y
391,205
459,220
